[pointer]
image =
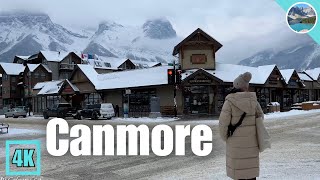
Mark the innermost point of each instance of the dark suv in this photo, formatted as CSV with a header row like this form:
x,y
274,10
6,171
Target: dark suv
x,y
60,110
95,111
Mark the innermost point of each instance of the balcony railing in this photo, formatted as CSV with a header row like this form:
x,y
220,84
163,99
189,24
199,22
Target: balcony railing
x,y
65,66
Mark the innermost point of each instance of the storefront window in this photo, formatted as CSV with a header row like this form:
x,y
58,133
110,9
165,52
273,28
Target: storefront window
x,y
139,102
198,99
93,98
52,100
263,97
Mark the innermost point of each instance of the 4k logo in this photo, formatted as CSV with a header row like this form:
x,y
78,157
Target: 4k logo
x,y
23,161
23,158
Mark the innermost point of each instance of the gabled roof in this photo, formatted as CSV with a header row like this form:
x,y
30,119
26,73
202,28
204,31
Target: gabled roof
x,y
100,64
287,74
126,79
54,56
313,73
32,67
89,72
12,68
186,77
49,87
216,44
23,57
304,77
145,64
115,62
74,87
229,72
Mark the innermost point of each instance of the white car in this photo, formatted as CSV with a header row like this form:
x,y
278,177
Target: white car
x,y
15,113
106,110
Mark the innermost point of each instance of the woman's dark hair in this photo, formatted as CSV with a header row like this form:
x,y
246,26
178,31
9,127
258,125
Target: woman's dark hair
x,y
234,90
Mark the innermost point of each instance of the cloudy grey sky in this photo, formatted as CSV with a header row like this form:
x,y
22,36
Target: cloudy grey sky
x,y
244,27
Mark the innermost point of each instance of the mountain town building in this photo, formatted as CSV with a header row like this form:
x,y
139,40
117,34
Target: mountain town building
x,y
80,80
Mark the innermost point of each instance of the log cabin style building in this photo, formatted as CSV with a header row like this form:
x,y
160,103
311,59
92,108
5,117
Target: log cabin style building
x,y
204,85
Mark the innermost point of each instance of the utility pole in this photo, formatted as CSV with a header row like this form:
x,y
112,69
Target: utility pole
x,y
175,90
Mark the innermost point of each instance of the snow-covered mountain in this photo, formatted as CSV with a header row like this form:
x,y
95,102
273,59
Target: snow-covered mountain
x,y
153,41
301,57
300,12
27,33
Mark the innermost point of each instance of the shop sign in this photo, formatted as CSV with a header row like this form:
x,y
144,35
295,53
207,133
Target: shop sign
x,y
198,59
67,89
200,80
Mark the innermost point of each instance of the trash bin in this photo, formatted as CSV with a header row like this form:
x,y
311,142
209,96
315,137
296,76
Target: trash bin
x,y
274,107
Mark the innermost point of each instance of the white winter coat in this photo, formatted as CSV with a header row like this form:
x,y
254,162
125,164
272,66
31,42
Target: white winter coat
x,y
242,149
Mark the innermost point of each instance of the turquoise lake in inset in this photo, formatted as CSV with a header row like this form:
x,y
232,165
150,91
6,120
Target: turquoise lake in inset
x,y
299,26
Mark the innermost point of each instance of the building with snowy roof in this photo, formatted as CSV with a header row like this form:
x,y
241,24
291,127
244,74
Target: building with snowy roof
x,y
204,82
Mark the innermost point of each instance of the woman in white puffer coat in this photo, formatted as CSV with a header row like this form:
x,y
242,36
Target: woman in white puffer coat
x,y
242,148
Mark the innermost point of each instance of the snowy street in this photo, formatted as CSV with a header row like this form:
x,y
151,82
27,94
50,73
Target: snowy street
x,y
295,152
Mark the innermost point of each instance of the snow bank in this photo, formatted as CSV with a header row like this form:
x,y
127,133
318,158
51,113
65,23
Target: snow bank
x,y
146,119
16,131
27,118
290,113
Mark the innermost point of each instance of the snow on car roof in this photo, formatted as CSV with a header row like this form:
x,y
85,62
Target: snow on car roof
x,y
12,68
54,55
287,74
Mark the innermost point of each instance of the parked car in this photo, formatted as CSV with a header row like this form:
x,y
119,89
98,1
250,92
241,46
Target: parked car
x,y
96,111
15,113
60,110
25,108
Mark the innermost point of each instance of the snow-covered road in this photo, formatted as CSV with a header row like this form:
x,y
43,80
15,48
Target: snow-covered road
x,y
295,154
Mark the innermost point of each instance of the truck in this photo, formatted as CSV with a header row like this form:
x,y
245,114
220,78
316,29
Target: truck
x,y
96,111
60,110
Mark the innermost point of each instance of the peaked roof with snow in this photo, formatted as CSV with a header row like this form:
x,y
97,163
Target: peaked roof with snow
x,y
216,44
229,72
74,87
12,68
304,77
32,67
100,64
89,72
126,79
114,62
49,87
54,56
145,64
287,74
23,57
313,73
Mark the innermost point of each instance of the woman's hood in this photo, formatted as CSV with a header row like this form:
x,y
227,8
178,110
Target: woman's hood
x,y
245,101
